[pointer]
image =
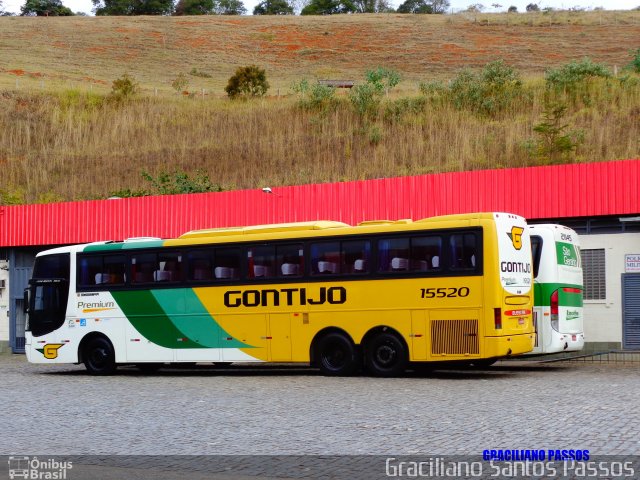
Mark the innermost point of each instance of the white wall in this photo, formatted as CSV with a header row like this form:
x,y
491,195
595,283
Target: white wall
x,y
4,302
603,318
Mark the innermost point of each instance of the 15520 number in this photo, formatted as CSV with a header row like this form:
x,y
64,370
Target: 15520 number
x,y
444,292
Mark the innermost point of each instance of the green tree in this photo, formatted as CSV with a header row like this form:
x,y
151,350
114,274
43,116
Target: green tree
x,y
415,6
230,7
273,7
372,6
532,7
328,7
194,7
513,9
383,79
210,7
555,144
45,8
249,81
133,7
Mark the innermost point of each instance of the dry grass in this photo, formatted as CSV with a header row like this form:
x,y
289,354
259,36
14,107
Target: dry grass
x,y
60,139
92,51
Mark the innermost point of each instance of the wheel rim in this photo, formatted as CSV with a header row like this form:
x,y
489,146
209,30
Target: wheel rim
x,y
386,355
334,356
99,357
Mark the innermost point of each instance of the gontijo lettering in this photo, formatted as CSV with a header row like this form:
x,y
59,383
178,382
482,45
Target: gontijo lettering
x,y
288,296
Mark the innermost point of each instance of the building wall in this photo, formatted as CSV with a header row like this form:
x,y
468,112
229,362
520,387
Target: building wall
x,y
603,318
4,306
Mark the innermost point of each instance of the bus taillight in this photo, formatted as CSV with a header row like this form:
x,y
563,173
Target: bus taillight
x,y
554,311
497,318
571,290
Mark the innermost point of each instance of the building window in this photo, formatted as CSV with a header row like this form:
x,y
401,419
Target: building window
x,y
593,268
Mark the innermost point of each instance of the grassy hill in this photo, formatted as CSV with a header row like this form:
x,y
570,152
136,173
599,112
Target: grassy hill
x,y
60,139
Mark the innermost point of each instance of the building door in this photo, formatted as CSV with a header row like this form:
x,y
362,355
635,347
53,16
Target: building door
x,y
631,311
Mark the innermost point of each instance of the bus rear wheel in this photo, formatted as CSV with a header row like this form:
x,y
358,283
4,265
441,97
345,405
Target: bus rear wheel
x,y
386,355
336,355
99,357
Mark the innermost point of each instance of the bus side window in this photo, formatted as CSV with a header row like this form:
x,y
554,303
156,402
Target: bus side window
x,y
200,265
355,256
393,255
227,263
325,258
169,267
261,261
90,272
143,267
463,251
114,268
425,253
290,260
536,251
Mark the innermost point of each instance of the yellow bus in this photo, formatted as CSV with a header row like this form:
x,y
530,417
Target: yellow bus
x,y
375,296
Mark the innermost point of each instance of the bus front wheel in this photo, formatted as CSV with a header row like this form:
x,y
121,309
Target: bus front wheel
x,y
386,355
336,355
99,357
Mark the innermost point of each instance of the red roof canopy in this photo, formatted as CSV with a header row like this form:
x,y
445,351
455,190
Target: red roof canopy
x,y
577,190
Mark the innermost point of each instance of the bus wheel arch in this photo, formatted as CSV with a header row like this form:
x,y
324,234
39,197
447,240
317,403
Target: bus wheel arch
x,y
97,353
386,353
334,352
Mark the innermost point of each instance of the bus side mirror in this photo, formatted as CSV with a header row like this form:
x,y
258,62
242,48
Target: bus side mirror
x,y
25,302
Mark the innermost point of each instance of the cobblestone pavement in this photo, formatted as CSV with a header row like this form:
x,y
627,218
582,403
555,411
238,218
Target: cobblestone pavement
x,y
269,410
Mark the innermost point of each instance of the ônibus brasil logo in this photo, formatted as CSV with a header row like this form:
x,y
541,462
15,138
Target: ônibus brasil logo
x,y
516,237
33,468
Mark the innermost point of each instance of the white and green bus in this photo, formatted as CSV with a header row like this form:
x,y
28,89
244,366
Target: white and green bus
x,y
558,289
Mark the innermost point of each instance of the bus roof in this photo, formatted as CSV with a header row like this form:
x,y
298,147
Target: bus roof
x,y
289,231
273,228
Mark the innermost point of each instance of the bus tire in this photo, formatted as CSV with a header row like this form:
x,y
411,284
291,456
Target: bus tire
x,y
386,355
336,355
99,356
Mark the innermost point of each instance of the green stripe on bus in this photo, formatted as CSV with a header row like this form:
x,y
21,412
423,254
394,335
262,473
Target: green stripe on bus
x,y
149,318
542,295
110,247
198,325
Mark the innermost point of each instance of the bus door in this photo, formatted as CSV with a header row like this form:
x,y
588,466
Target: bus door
x,y
418,335
248,330
280,337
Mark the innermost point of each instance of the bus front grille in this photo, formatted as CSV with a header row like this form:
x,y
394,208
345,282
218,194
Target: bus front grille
x,y
454,337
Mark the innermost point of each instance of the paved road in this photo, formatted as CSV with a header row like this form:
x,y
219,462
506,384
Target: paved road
x,y
276,411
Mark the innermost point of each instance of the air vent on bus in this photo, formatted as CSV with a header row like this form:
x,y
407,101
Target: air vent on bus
x,y
454,337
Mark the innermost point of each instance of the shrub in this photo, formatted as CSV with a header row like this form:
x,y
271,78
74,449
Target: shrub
x,y
180,83
315,96
249,81
570,75
124,87
493,90
634,66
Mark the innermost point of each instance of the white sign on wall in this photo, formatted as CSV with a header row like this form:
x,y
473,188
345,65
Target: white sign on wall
x,y
632,262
